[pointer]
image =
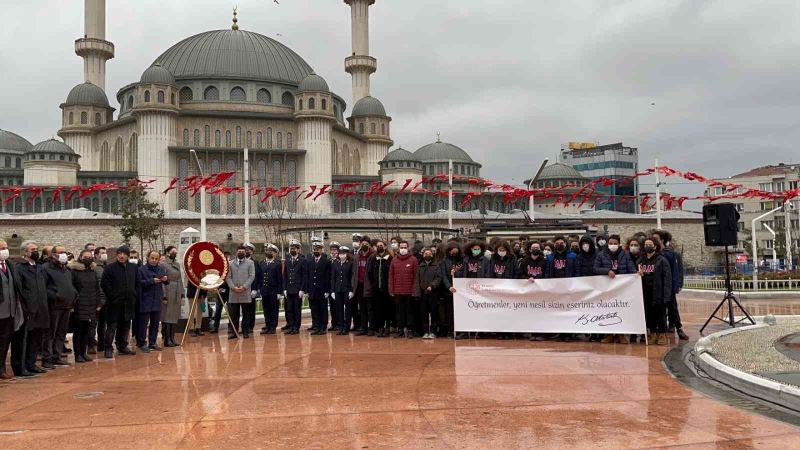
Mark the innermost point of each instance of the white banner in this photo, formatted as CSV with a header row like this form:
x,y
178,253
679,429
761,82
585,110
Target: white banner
x,y
566,305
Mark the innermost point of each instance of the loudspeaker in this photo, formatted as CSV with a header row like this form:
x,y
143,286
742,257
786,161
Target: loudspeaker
x,y
720,224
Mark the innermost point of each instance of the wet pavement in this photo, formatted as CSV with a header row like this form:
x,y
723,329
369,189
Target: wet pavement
x,y
346,392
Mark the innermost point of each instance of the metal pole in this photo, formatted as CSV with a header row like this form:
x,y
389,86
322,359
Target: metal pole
x,y
774,253
450,194
246,178
203,229
530,184
787,208
753,242
658,198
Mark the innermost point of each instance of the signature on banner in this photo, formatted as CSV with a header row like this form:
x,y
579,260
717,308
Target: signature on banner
x,y
603,320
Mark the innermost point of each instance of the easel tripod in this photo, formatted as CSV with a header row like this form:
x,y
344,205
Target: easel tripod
x,y
191,315
730,299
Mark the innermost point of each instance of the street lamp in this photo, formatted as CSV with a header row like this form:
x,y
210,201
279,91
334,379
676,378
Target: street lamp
x,y
753,242
203,228
530,183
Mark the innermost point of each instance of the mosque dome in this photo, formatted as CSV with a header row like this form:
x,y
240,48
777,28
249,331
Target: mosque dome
x,y
157,74
399,154
442,151
558,171
52,146
87,94
368,106
14,142
313,83
234,54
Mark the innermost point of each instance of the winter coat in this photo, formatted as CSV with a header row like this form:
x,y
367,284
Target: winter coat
x,y
341,276
676,270
32,288
657,277
151,293
99,266
429,275
561,265
377,274
584,262
474,267
620,263
269,281
62,288
173,292
502,267
450,267
295,275
120,283
319,276
532,268
241,273
89,298
402,273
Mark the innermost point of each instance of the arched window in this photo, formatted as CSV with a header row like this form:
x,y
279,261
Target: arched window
x,y
211,93
356,162
345,161
119,155
217,138
183,172
230,201
238,94
130,101
334,158
172,98
133,153
300,104
291,180
228,138
196,137
18,163
238,136
186,94
71,118
105,160
106,205
312,103
84,118
160,96
372,128
214,198
324,104
97,119
361,128
249,141
287,99
263,96
185,136
8,161
147,96
289,141
262,173
279,139
383,129
207,136
269,137
259,139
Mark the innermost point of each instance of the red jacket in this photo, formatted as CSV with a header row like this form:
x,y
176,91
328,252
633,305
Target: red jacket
x,y
402,273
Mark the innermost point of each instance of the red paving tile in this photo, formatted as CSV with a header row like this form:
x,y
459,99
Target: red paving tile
x,y
344,392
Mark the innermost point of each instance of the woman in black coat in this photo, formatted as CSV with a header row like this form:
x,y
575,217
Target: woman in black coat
x,y
657,290
88,303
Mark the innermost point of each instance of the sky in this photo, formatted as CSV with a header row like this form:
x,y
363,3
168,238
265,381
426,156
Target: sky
x,y
706,86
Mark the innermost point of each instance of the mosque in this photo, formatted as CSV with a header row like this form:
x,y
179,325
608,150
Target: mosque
x,y
202,101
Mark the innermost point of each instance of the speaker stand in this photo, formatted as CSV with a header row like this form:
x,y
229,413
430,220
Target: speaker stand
x,y
730,300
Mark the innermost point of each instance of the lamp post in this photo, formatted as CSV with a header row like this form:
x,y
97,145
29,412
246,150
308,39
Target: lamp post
x,y
754,242
246,178
530,184
203,228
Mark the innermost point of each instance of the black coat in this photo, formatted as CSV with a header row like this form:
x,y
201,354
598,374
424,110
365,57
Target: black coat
x,y
450,267
62,287
89,298
584,262
341,276
121,286
656,279
319,276
268,277
377,274
32,288
502,267
532,268
295,275
474,267
429,275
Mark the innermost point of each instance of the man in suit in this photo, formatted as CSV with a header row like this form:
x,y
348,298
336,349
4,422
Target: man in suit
x,y
11,317
31,283
120,284
268,276
319,288
241,275
295,285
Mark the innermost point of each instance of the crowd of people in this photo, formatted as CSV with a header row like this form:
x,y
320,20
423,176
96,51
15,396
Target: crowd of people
x,y
374,288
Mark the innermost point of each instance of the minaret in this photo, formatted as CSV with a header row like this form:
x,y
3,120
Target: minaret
x,y
93,46
360,65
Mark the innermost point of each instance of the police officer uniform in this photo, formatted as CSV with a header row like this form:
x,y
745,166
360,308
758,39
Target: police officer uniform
x,y
319,288
295,285
269,281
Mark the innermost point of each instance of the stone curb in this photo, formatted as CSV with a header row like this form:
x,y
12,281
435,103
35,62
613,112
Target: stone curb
x,y
772,391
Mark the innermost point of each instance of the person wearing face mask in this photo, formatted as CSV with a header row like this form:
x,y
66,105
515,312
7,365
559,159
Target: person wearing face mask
x,y
342,289
574,244
676,266
363,304
241,275
31,281
612,261
152,279
268,281
120,284
547,249
402,272
11,314
333,251
394,244
61,296
174,296
634,249
97,327
502,264
474,265
319,288
426,285
88,303
561,264
451,265
531,267
587,254
377,288
295,285
656,289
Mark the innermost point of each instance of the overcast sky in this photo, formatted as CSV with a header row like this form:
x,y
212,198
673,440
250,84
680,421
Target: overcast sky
x,y
508,81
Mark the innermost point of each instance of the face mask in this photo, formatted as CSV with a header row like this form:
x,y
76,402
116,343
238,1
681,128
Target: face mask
x,y
248,254
365,247
381,250
547,252
133,261
293,252
487,254
476,252
87,262
536,252
601,242
240,255
613,247
427,258
343,256
34,256
4,254
634,249
355,245
62,258
502,253
454,254
270,255
393,245
649,250
403,251
104,257
585,247
560,247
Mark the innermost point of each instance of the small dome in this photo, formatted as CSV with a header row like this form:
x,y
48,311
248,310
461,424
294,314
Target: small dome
x,y
13,141
157,74
558,171
400,154
87,94
442,151
52,146
368,106
313,82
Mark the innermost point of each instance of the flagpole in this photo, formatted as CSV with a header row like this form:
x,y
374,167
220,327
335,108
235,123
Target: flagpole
x,y
450,194
246,178
202,197
658,197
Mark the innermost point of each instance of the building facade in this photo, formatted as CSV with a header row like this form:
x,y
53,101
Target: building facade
x,y
606,161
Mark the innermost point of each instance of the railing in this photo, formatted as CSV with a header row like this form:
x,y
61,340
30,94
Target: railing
x,y
718,284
